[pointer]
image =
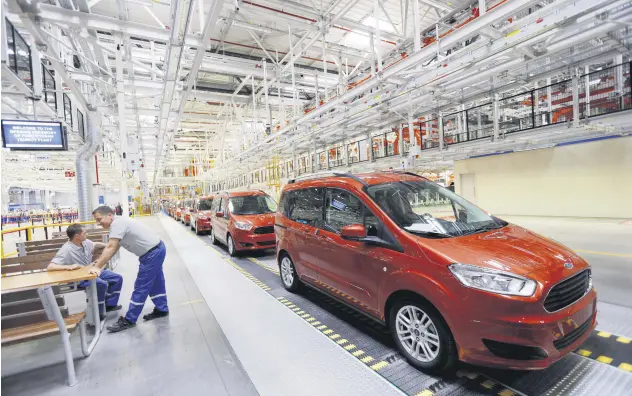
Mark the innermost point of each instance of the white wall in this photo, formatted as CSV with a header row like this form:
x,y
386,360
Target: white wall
x,y
592,179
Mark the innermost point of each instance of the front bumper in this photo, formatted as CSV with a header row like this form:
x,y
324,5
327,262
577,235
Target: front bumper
x,y
203,225
567,329
247,240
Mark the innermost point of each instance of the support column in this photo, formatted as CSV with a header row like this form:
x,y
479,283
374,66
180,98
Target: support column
x,y
441,143
400,132
417,30
497,116
575,83
619,79
294,98
372,49
265,92
549,100
120,99
587,89
378,39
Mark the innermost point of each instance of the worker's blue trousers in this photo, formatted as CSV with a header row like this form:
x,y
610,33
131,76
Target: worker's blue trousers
x,y
109,286
149,282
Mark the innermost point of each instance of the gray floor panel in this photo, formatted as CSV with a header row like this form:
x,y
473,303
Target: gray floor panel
x,y
185,353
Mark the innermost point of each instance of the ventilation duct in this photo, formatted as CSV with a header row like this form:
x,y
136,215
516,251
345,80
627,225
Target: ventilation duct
x,y
84,174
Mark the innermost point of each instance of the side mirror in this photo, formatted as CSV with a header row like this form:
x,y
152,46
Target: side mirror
x,y
353,232
219,214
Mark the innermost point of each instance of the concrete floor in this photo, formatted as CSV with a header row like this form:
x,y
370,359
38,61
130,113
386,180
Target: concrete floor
x,y
225,336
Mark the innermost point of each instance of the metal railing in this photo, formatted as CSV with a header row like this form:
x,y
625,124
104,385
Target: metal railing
x,y
19,55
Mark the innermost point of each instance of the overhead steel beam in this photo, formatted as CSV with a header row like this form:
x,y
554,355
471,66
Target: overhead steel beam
x,y
211,20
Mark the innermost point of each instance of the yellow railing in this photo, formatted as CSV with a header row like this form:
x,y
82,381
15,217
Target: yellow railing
x,y
29,233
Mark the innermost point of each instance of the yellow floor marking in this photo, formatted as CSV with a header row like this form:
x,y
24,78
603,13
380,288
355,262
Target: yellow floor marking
x,y
506,392
379,366
350,347
296,309
316,323
192,302
584,352
328,331
343,341
624,340
604,253
626,367
358,353
305,315
604,334
425,392
367,359
292,306
310,319
604,359
321,327
300,312
489,384
334,336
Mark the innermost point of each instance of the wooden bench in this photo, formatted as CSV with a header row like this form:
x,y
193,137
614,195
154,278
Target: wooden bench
x,y
52,245
24,308
35,331
25,279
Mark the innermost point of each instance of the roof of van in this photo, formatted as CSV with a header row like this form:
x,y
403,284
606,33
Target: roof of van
x,y
245,193
360,179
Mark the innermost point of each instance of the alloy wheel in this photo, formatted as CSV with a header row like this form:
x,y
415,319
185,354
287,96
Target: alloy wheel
x,y
417,333
231,245
287,271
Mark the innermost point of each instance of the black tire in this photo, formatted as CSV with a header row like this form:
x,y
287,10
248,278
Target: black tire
x,y
287,272
230,244
214,240
446,356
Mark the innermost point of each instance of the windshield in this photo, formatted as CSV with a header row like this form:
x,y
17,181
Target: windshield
x,y
427,209
252,204
205,204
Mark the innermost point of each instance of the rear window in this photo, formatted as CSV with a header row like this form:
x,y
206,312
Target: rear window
x,y
205,204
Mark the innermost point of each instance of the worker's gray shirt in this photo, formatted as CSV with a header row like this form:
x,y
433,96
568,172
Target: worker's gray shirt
x,y
133,236
70,254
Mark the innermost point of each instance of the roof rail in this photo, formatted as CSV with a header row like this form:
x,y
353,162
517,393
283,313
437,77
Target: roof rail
x,y
327,174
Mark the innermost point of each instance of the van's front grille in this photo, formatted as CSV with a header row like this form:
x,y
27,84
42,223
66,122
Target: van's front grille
x,y
567,292
264,230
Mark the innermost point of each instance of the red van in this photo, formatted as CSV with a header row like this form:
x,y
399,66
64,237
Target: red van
x,y
187,207
201,214
451,281
243,221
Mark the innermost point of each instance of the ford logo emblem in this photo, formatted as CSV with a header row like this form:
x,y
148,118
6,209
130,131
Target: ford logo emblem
x,y
568,265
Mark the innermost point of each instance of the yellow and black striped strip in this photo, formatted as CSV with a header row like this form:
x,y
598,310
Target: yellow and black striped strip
x,y
609,349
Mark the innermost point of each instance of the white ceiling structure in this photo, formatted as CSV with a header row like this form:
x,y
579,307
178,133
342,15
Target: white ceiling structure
x,y
237,81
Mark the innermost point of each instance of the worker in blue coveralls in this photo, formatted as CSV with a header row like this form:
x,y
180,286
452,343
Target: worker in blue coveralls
x,y
151,252
78,252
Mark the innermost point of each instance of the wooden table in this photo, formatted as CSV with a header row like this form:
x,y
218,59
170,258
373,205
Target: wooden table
x,y
15,283
43,282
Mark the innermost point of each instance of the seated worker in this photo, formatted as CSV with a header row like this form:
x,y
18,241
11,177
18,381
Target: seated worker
x,y
79,252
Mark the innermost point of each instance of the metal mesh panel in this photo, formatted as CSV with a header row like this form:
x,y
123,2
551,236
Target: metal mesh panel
x,y
480,122
516,113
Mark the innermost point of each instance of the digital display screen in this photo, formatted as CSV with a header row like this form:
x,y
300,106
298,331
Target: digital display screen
x,y
33,135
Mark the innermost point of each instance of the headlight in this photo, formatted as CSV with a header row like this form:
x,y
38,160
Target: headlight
x,y
492,280
243,226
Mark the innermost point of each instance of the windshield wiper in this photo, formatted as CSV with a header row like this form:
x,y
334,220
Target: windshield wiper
x,y
431,234
486,228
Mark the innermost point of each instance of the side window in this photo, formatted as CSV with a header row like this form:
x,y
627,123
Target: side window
x,y
282,204
342,209
222,205
306,206
215,205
